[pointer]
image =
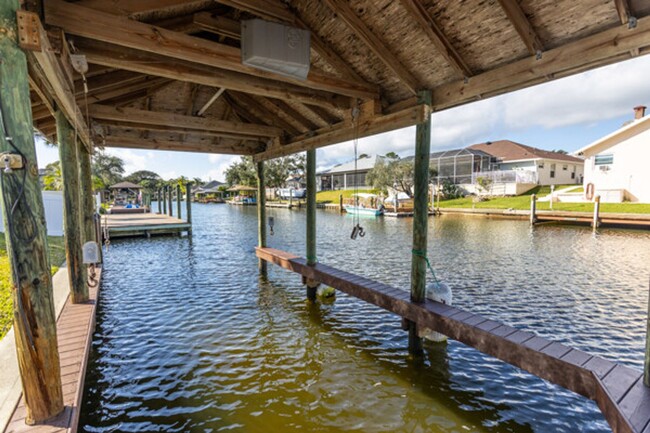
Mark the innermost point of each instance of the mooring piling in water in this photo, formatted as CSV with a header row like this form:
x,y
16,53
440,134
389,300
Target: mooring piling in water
x,y
178,200
420,218
312,285
596,221
261,214
533,209
170,209
188,205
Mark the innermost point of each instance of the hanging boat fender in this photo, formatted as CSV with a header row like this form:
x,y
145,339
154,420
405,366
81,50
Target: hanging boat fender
x,y
589,191
438,292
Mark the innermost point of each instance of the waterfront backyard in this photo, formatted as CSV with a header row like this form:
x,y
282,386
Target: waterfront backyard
x,y
200,342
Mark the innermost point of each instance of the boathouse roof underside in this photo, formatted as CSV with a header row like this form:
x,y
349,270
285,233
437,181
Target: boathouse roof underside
x,y
167,74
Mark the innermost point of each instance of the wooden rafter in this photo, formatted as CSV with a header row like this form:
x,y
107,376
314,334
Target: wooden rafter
x,y
133,8
345,131
302,120
244,148
269,116
109,55
599,49
132,115
89,23
277,11
183,132
47,70
437,37
523,26
342,9
218,25
210,101
624,10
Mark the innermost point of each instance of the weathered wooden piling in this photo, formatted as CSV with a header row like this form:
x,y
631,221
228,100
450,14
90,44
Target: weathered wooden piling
x,y
261,214
159,201
420,218
164,196
86,192
170,209
179,196
312,285
340,203
533,209
596,221
72,215
25,234
188,205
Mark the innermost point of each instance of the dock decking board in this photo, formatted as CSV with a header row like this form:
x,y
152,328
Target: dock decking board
x,y
126,225
75,327
618,390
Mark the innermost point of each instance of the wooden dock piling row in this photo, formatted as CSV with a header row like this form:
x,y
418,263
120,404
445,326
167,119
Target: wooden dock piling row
x,y
618,390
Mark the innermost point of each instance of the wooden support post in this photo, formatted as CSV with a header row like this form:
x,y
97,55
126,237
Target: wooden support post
x,y
164,197
25,234
170,209
72,216
340,203
179,196
646,369
312,285
159,202
420,219
86,191
261,214
188,203
533,209
596,222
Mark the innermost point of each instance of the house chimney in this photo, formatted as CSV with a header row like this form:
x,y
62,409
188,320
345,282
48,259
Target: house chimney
x,y
639,112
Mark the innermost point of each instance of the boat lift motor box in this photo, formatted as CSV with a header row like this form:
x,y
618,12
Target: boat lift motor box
x,y
275,48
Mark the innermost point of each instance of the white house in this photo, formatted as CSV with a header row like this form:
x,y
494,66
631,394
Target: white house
x,y
545,167
615,165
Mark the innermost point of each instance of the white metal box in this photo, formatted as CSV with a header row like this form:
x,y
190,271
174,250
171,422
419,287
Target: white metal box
x,y
275,48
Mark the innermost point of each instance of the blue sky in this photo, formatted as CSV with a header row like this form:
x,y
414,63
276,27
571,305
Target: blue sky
x,y
563,114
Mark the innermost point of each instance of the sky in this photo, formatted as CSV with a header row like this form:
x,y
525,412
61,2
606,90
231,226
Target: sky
x,y
566,114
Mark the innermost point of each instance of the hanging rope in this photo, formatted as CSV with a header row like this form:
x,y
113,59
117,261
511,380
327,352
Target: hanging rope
x,y
357,230
423,254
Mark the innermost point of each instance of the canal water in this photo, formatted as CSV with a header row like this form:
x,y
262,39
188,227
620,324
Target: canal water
x,y
189,338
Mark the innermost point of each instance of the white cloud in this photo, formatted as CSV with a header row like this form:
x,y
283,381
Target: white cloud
x,y
134,160
220,164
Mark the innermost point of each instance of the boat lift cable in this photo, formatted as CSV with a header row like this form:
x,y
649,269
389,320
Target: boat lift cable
x,y
357,230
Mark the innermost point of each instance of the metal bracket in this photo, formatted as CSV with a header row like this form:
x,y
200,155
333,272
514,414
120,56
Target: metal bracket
x,y
10,162
28,30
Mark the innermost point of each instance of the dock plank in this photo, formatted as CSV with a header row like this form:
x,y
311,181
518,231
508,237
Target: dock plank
x,y
143,224
615,388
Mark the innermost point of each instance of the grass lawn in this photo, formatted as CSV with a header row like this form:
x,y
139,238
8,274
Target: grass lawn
x,y
57,257
333,196
522,202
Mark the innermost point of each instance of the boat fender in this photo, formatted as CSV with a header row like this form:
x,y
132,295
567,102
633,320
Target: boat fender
x,y
438,292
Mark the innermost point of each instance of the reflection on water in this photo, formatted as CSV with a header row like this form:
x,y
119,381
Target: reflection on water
x,y
190,338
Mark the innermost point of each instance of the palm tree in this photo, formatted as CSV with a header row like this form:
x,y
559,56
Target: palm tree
x,y
108,168
53,180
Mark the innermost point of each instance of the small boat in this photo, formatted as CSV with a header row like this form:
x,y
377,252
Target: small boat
x,y
364,204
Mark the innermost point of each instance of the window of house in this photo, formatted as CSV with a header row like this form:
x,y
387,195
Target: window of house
x,y
552,170
540,165
565,167
604,159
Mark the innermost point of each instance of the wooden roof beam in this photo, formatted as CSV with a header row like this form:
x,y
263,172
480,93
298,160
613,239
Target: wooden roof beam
x,y
173,130
345,131
526,31
132,115
221,26
89,23
132,60
596,50
210,101
274,10
437,37
624,10
48,72
255,106
343,11
246,148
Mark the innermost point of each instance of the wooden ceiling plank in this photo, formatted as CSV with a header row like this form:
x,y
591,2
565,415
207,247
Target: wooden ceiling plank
x,y
437,37
595,50
211,101
132,115
295,114
218,25
155,144
255,106
132,8
172,129
523,26
108,55
89,23
343,11
346,131
47,70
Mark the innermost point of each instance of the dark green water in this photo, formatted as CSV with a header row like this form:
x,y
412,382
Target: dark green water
x,y
190,339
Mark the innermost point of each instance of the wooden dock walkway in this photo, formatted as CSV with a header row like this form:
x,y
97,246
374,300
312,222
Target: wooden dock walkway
x,y
618,390
148,224
74,328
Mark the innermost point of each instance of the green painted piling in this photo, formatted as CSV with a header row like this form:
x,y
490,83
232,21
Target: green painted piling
x,y
312,285
25,234
420,218
188,203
